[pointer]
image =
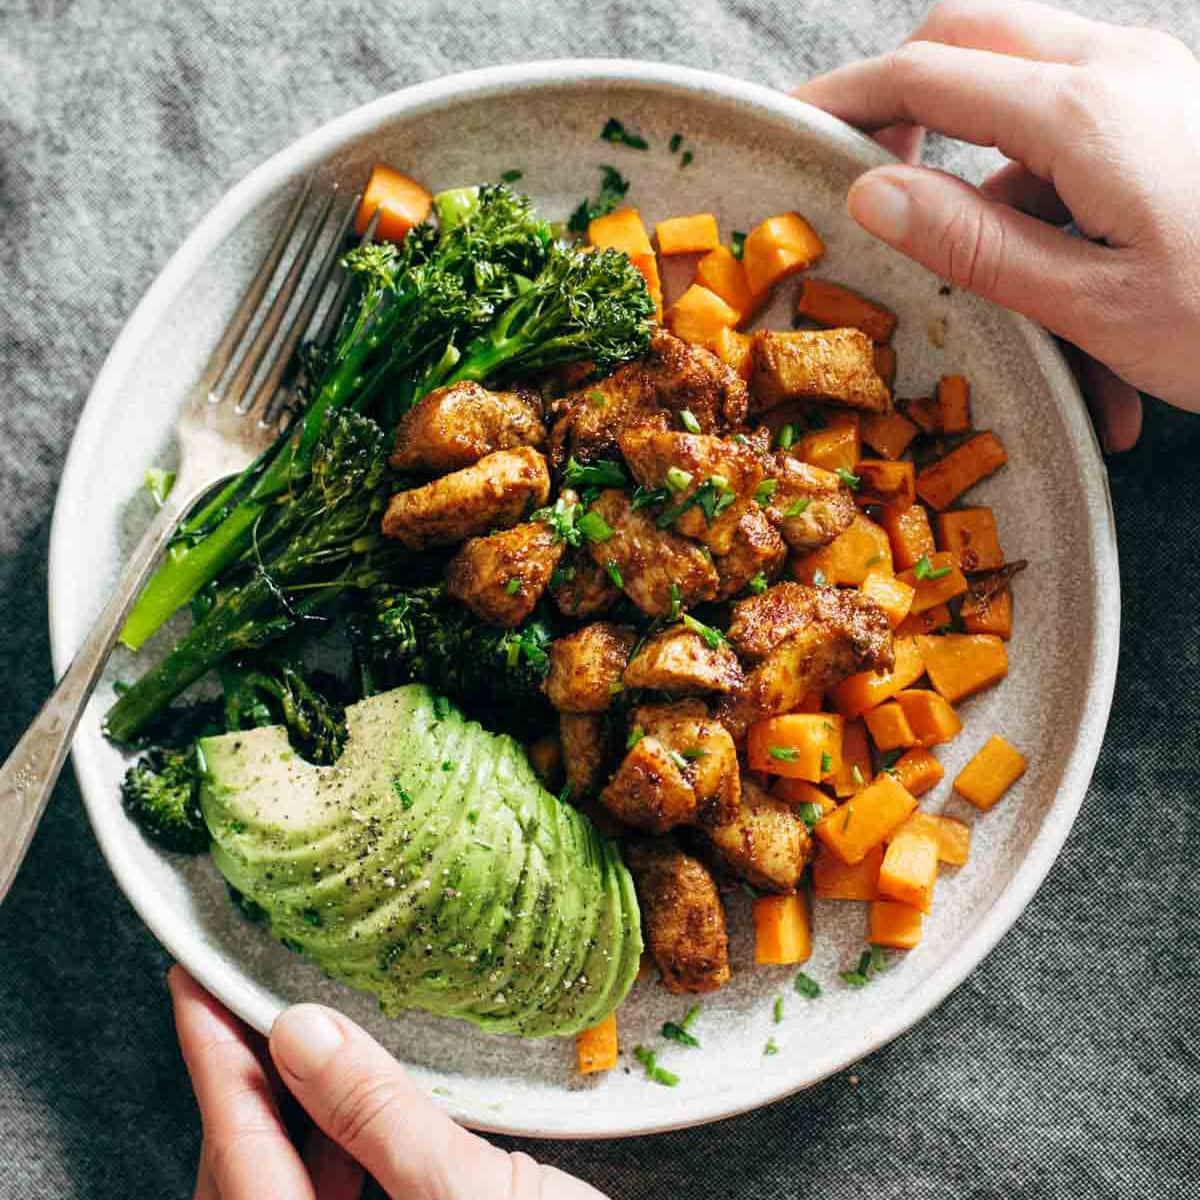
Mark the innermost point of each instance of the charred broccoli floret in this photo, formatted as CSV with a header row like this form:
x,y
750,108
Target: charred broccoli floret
x,y
161,793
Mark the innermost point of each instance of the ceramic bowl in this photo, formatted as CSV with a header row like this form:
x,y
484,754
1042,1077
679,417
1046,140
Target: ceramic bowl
x,y
755,152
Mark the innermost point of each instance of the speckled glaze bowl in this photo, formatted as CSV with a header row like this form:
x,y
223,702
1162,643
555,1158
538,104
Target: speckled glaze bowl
x,y
756,152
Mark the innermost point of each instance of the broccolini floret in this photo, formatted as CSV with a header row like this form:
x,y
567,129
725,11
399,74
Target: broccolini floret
x,y
160,792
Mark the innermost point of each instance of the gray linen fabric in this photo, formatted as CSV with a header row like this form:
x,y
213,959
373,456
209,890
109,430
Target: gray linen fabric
x,y
1066,1066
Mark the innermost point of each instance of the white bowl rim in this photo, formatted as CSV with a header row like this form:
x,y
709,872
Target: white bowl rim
x,y
175,933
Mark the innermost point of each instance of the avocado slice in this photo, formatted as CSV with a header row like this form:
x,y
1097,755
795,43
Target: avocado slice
x,y
429,866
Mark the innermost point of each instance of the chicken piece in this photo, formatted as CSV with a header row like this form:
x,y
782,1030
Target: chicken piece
x,y
495,493
810,506
834,365
803,639
756,548
703,751
682,916
658,569
501,577
584,738
679,661
765,843
582,588
656,457
586,667
650,790
670,377
546,759
456,426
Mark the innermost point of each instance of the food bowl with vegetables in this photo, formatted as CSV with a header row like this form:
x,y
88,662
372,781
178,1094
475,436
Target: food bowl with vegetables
x,y
673,637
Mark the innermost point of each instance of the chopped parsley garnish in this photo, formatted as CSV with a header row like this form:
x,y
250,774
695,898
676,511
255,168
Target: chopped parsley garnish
x,y
888,761
758,584
686,160
604,473
694,753
510,176
596,400
530,642
654,1072
678,480
741,439
819,579
563,520
612,191
447,765
808,987
870,963
679,1031
594,527
562,575
714,639
852,481
765,491
826,762
635,735
770,1048
786,436
614,131
784,753
512,587
687,419
441,707
312,917
924,569
737,243
777,1010
614,573
406,801
676,602
675,142
565,795
809,813
678,759
796,508
644,497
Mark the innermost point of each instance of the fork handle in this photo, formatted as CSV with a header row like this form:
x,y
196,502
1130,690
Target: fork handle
x,y
32,769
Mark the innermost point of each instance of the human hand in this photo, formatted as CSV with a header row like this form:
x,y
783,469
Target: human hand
x,y
1102,127
363,1114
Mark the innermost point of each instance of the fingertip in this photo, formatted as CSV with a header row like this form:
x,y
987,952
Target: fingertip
x,y
303,1040
880,203
1122,423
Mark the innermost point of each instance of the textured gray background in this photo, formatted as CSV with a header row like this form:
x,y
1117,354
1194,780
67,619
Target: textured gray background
x,y
1065,1066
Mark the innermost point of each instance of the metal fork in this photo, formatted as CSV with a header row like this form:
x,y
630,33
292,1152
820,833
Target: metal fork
x,y
231,415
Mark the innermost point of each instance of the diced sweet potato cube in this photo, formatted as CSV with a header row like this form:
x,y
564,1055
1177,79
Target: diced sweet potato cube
x,y
725,275
596,1048
885,363
647,264
970,535
909,869
888,434
925,413
942,483
798,745
940,580
797,792
830,304
698,316
858,693
866,820
687,235
919,771
621,230
961,664
884,482
929,715
400,201
833,879
954,404
932,620
997,766
892,595
782,931
889,727
778,247
835,446
993,615
859,549
733,349
909,533
953,837
854,771
893,924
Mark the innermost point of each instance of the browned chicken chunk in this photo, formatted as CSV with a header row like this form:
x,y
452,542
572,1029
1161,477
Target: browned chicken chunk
x,y
658,569
495,493
809,505
679,661
586,667
682,916
456,426
756,549
802,639
501,577
650,790
766,843
582,588
834,365
710,479
672,376
584,738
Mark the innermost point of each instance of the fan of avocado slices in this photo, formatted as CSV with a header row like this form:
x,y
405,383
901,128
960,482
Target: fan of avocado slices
x,y
428,866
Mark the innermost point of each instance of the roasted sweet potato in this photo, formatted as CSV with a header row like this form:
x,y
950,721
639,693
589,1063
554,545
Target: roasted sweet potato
x,y
942,483
997,766
830,304
961,664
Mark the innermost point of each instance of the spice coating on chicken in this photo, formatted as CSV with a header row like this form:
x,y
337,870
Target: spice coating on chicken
x,y
765,843
757,549
502,576
681,662
833,365
494,493
455,426
586,667
809,505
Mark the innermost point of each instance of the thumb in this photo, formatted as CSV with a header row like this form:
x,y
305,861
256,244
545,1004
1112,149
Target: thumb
x,y
985,247
364,1101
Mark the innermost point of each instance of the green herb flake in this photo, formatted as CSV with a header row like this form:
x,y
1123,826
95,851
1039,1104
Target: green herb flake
x,y
159,484
694,753
676,602
687,159
596,400
447,766
645,497
777,1010
675,142
564,797
614,131
654,1072
786,436
512,587
635,735
594,527
614,573
826,762
678,480
680,1031
852,481
846,818
796,508
924,569
406,801
604,473
511,176
806,986
687,419
810,813
713,638
737,243
765,490
784,753
758,584
613,187
888,761
770,1048
857,775
441,707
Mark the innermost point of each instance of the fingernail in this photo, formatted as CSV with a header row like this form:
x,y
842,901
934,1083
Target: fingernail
x,y
880,207
304,1039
